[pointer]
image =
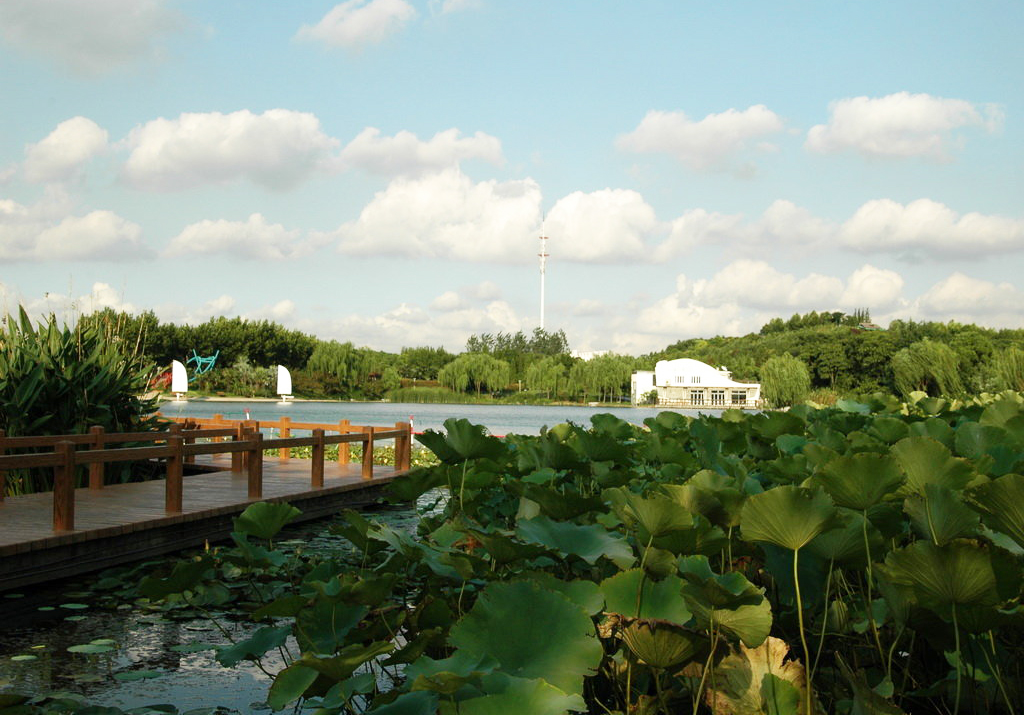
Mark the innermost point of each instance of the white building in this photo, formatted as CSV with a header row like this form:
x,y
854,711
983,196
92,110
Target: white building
x,y
691,383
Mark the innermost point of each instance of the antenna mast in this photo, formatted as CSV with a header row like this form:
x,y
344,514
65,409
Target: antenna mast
x,y
543,263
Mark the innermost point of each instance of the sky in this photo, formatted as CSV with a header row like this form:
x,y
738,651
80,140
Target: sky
x,y
380,171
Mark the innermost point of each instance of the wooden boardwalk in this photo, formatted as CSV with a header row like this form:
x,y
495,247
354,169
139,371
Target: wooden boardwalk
x,y
121,523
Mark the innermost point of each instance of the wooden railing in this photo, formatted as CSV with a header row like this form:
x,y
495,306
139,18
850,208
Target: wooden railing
x,y
181,444
711,405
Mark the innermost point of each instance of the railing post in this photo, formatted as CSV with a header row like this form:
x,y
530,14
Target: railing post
x,y
64,487
343,447
368,453
255,465
286,432
237,457
317,477
403,446
3,472
173,485
96,469
217,418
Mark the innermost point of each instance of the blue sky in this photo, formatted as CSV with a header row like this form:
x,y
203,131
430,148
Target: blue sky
x,y
378,170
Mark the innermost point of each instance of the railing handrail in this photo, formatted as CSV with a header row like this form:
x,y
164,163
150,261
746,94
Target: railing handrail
x,y
246,446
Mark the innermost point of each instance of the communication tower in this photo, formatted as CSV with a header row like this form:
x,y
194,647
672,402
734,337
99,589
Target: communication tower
x,y
543,264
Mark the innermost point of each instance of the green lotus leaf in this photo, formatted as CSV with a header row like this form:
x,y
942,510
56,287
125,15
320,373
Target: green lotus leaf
x,y
507,695
729,590
889,430
758,681
846,545
290,684
1002,411
342,665
649,516
703,538
1001,503
263,519
185,576
940,516
531,632
865,700
613,427
91,648
818,455
992,448
472,441
788,516
584,593
936,428
860,481
658,563
661,644
254,647
586,541
436,443
503,548
449,674
959,573
926,461
635,596
322,626
598,447
556,504
421,702
791,443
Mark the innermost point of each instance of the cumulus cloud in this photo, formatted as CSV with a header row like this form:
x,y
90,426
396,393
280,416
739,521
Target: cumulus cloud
x,y
879,288
900,125
62,153
45,232
405,153
960,297
65,306
783,223
928,229
90,38
276,149
710,143
600,227
443,7
357,23
254,239
446,215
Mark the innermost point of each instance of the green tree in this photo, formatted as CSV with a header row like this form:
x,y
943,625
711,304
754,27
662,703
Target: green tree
x,y
547,375
422,363
785,380
927,366
477,371
1008,366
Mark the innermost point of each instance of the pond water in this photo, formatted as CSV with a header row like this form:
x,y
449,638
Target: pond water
x,y
498,419
147,658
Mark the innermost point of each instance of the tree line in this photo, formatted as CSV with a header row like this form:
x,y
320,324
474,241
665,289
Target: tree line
x,y
822,354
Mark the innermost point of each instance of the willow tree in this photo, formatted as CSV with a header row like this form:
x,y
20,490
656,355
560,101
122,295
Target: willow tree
x,y
785,380
1008,365
546,375
927,366
475,370
602,376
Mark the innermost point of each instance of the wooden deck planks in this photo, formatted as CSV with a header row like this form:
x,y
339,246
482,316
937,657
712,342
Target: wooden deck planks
x,y
126,521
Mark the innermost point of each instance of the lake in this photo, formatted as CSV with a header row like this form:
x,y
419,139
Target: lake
x,y
498,419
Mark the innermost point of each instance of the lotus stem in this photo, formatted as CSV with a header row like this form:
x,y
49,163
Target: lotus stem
x,y
800,620
824,621
997,672
956,636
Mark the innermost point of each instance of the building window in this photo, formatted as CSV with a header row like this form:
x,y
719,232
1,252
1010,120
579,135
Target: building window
x,y
695,380
679,379
697,397
739,397
718,397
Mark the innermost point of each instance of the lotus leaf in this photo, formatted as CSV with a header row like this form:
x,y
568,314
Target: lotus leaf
x,y
555,503
758,681
588,542
1001,502
632,594
341,666
846,545
597,447
263,519
585,594
788,516
926,461
531,632
860,481
504,549
990,447
253,647
418,703
471,441
290,684
185,576
933,427
959,573
940,515
662,644
651,517
889,429
449,674
506,695
612,427
322,627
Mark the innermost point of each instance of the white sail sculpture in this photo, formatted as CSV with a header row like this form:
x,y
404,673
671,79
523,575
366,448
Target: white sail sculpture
x,y
284,383
179,380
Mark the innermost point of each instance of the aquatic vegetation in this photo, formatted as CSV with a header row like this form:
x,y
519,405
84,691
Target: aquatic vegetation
x,y
864,558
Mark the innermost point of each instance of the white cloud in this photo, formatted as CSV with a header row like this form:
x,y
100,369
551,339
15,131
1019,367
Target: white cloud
x,y
928,229
710,143
63,152
970,300
223,305
254,239
602,226
405,153
357,23
447,301
45,232
446,215
879,288
92,37
65,307
899,125
782,224
277,149
756,284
